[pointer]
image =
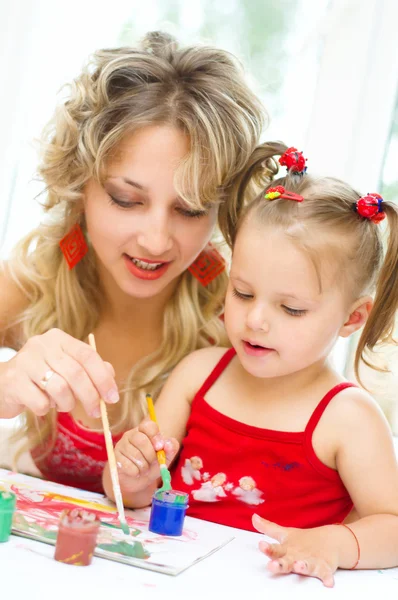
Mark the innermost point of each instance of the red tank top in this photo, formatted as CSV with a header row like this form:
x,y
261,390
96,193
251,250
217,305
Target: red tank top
x,y
232,470
77,458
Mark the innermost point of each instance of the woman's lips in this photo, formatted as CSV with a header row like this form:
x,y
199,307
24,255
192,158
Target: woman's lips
x,y
142,273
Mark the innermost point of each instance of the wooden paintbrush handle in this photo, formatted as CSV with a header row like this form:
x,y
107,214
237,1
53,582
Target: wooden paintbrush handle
x,y
110,450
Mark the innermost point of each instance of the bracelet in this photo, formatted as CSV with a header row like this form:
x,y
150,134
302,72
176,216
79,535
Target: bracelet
x,y
357,543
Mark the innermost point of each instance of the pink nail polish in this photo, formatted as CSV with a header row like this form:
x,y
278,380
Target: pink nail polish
x,y
113,396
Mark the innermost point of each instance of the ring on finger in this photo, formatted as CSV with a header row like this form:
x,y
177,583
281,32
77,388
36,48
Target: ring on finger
x,y
47,376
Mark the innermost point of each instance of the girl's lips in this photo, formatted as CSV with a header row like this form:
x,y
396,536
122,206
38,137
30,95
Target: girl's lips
x,y
145,274
252,350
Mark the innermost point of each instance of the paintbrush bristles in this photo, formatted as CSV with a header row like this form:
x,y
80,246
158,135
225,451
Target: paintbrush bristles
x,y
111,455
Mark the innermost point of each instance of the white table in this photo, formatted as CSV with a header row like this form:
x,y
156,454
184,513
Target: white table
x,y
29,572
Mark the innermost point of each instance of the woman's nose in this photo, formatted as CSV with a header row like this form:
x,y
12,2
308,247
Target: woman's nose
x,y
155,236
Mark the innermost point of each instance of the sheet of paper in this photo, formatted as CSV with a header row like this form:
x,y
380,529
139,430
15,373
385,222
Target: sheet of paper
x,y
40,504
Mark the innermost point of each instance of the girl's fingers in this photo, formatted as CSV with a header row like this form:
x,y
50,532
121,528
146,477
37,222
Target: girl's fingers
x,y
125,466
268,528
171,448
151,430
140,446
273,551
282,565
321,570
137,464
300,567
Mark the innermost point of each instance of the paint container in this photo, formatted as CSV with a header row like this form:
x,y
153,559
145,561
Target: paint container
x,y
77,537
7,507
168,512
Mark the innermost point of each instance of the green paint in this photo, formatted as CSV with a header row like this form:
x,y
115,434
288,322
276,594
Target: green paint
x,y
7,507
125,528
166,479
171,496
23,526
134,549
132,532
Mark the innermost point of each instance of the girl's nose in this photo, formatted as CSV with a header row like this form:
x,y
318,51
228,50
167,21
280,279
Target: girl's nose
x,y
257,320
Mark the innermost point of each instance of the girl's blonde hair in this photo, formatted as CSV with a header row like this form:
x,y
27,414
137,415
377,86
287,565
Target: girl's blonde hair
x,y
319,224
201,91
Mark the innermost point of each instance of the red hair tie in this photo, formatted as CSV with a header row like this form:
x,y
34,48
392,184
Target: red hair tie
x,y
279,192
370,207
293,160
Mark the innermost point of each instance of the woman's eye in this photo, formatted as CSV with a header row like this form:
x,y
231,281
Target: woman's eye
x,y
295,312
188,212
122,203
240,295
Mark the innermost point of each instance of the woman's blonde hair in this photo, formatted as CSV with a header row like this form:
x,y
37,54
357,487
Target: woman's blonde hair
x,y
319,224
201,91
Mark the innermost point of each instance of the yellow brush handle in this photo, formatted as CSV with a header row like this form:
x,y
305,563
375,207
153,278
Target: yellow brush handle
x,y
151,410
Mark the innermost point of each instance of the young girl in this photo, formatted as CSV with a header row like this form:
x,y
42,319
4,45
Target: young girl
x,y
139,163
274,429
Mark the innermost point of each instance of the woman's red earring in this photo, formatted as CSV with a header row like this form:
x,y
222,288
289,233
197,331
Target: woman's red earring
x,y
208,265
74,246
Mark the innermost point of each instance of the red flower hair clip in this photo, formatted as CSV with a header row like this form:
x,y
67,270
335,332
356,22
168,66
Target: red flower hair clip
x,y
370,207
293,160
279,192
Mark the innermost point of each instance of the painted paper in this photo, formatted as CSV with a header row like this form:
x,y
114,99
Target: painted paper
x,y
40,504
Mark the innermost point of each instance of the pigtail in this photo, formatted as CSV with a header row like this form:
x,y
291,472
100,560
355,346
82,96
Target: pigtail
x,y
257,174
379,327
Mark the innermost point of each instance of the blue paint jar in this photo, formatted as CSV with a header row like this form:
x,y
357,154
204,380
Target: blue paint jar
x,y
168,512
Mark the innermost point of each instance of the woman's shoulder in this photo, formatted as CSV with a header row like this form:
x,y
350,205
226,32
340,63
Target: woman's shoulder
x,y
12,303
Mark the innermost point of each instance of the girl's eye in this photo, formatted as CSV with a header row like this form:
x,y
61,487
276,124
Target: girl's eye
x,y
240,295
295,312
122,203
188,212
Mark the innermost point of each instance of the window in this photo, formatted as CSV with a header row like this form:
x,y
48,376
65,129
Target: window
x,y
278,42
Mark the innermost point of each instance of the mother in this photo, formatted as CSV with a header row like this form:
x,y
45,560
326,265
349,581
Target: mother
x,y
139,162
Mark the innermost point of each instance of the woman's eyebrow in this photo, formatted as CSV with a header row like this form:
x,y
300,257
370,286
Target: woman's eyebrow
x,y
134,184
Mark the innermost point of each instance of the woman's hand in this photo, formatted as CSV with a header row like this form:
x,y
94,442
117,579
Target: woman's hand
x,y
312,552
136,456
55,370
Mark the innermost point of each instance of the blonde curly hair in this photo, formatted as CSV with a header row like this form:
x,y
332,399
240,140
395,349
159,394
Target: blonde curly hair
x,y
201,91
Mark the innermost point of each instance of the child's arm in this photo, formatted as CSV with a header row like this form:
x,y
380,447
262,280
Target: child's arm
x,y
136,451
368,467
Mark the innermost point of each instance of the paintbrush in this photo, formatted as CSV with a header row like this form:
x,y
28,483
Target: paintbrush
x,y
111,457
164,472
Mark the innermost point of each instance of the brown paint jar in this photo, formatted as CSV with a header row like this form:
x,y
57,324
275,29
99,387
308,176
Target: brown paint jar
x,y
77,537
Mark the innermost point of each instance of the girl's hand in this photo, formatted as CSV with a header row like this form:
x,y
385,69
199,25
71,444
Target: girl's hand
x,y
312,552
136,456
55,370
